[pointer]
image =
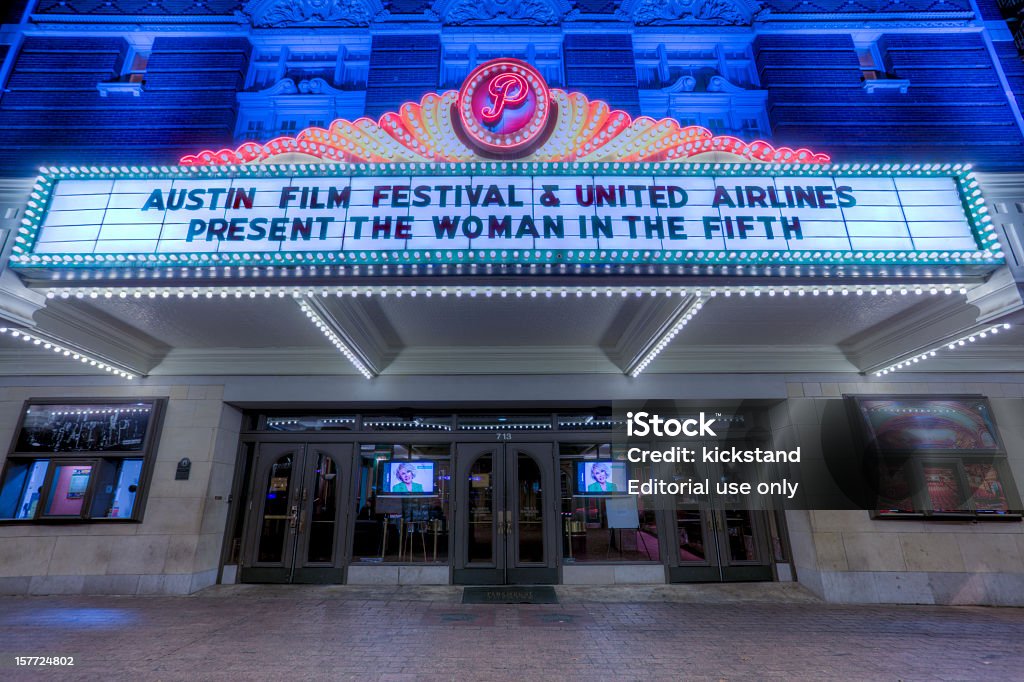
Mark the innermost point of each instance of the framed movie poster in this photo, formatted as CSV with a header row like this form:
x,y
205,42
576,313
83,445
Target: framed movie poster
x,y
908,425
895,493
942,486
76,427
985,488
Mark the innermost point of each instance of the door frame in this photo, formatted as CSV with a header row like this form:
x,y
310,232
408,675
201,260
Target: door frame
x,y
506,568
293,568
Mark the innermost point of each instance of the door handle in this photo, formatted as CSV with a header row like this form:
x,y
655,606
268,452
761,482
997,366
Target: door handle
x,y
304,510
293,516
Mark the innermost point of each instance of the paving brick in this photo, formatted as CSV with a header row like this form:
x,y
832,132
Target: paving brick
x,y
425,633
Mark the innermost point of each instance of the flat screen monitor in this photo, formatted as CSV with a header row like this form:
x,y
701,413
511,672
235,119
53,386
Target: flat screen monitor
x,y
909,425
408,478
601,477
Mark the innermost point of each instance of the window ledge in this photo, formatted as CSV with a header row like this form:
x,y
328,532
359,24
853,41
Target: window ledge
x,y
900,84
119,88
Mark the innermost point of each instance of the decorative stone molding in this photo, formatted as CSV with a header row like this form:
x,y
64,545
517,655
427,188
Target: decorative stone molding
x,y
715,12
720,84
715,83
281,13
313,86
684,84
527,12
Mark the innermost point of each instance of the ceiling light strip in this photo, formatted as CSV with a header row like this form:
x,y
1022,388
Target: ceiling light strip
x,y
334,336
492,291
681,318
67,351
956,343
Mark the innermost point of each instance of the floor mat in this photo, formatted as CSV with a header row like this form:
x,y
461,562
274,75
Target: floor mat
x,y
510,594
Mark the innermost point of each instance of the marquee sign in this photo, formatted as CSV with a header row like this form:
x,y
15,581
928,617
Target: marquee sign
x,y
706,214
436,183
505,110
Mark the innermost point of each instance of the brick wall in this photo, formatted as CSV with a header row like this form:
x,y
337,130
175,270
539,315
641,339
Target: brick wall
x,y
402,69
955,109
602,67
53,112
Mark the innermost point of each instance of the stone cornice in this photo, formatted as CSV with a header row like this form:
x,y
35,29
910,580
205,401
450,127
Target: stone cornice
x,y
563,360
742,359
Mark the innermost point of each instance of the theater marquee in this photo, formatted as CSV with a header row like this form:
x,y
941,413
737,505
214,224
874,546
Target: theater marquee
x,y
507,171
503,213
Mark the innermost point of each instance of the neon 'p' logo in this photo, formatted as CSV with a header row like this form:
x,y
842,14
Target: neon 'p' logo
x,y
504,106
506,90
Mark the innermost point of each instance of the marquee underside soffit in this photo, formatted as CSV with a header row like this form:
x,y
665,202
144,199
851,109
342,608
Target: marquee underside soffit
x,y
524,331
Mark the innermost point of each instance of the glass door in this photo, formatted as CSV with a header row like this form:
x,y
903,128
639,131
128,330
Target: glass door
x,y
506,523
294,527
717,540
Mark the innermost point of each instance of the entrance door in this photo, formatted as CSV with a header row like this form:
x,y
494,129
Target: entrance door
x,y
506,520
295,525
716,539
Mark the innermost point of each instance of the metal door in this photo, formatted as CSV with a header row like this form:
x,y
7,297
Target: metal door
x,y
506,518
715,538
295,530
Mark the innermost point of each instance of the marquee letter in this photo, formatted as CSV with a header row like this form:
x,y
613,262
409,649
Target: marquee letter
x,y
155,200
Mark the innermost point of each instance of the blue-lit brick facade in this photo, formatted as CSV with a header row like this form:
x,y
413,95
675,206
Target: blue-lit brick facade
x,y
141,82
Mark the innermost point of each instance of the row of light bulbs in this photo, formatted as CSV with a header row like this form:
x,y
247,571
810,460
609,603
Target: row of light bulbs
x,y
949,345
335,340
73,354
667,337
458,291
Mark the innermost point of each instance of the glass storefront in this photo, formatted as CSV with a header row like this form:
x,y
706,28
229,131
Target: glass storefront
x,y
402,503
600,520
494,498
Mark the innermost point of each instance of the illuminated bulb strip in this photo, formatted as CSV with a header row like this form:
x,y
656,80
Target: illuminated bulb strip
x,y
326,329
503,291
70,353
405,136
948,345
666,337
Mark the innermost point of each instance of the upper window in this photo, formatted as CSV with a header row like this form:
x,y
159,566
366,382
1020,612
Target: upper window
x,y
871,65
873,71
461,58
131,78
663,65
80,461
135,67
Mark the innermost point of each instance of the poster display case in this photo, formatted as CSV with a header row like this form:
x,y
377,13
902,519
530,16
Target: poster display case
x,y
80,460
934,457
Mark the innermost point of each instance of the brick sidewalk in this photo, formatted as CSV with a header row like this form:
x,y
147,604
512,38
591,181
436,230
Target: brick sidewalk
x,y
425,634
